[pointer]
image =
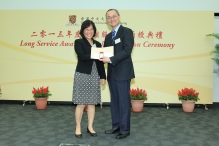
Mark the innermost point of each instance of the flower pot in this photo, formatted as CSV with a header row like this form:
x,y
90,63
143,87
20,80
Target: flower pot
x,y
137,105
41,103
188,106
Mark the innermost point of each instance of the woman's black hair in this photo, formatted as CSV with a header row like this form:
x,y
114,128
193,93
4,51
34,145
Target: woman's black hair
x,y
85,25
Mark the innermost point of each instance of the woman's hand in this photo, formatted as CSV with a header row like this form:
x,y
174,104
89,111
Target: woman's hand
x,y
102,81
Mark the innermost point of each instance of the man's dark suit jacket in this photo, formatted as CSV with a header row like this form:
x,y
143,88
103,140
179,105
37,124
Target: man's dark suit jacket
x,y
121,67
83,51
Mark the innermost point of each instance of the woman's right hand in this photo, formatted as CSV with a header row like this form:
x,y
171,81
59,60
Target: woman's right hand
x,y
102,82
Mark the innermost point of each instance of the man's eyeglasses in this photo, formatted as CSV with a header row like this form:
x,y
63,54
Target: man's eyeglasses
x,y
111,17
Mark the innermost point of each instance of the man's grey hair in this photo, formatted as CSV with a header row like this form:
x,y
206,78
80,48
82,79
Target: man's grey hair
x,y
117,12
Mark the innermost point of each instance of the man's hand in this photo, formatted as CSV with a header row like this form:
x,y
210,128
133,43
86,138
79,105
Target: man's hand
x,y
105,59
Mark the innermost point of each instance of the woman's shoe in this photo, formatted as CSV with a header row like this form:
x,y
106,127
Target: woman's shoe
x,y
92,134
78,135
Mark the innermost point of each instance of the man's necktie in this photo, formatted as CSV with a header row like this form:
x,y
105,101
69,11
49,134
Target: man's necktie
x,y
113,35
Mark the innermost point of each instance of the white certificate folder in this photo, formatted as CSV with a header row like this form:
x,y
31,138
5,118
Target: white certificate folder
x,y
97,53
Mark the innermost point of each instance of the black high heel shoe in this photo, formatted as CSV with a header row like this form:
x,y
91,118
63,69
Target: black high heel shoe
x,y
78,135
92,134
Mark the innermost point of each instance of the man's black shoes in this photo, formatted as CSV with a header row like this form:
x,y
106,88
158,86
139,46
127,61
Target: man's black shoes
x,y
112,131
121,136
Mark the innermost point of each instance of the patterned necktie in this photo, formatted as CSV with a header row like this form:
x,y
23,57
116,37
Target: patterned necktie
x,y
113,35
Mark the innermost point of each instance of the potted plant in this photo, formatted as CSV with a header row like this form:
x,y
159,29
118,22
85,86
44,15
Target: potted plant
x,y
216,51
138,96
188,96
41,95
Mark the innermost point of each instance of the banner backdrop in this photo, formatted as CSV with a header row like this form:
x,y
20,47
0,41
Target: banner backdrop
x,y
170,52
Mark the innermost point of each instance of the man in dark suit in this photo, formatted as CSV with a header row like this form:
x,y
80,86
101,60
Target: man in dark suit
x,y
119,74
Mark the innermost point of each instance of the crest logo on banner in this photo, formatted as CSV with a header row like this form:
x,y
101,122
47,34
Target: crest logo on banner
x,y
72,20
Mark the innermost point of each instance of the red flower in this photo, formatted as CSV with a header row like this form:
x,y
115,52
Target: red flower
x,y
138,94
188,94
41,92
